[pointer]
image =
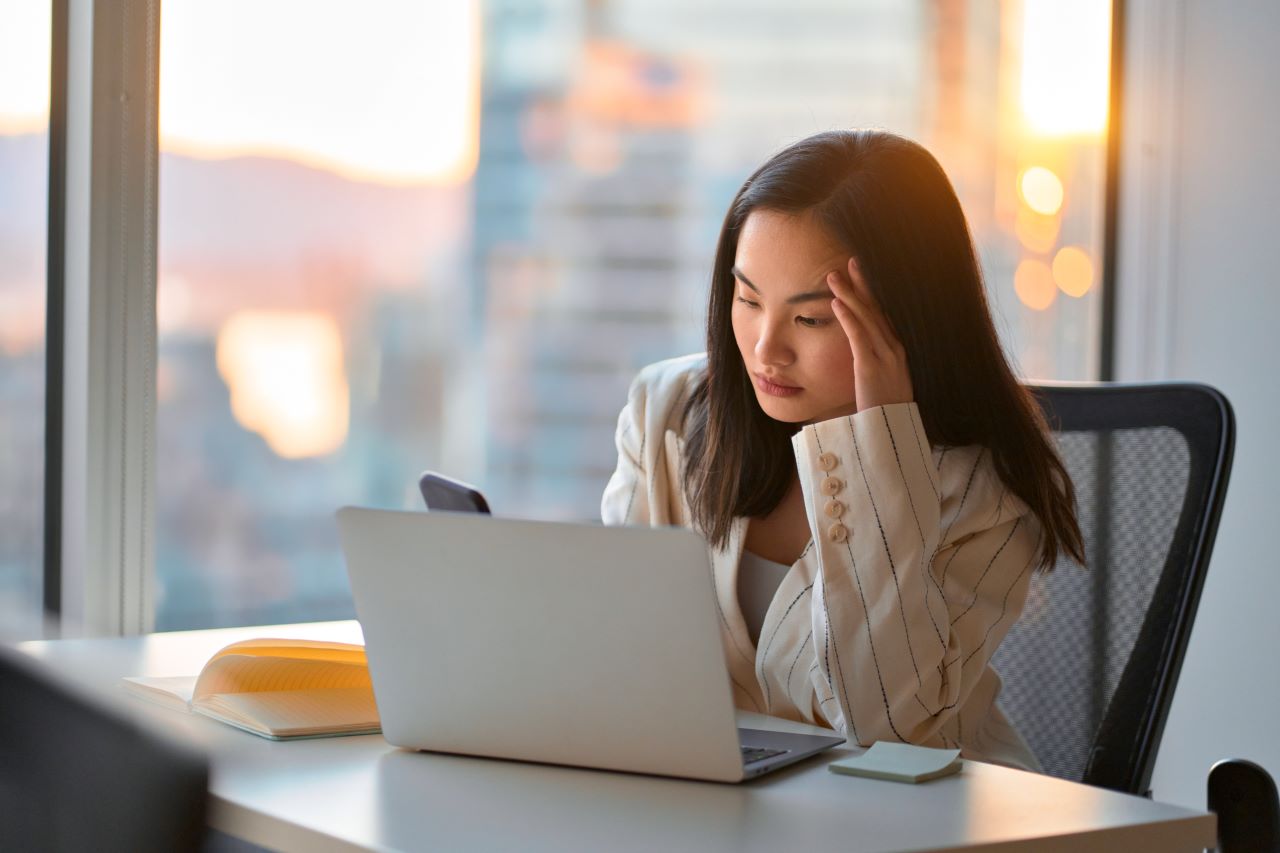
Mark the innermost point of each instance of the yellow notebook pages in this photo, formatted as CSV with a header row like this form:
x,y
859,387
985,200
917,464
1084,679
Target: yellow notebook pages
x,y
278,689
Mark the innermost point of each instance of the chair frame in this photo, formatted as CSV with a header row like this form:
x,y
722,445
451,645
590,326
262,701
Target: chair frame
x,y
1123,753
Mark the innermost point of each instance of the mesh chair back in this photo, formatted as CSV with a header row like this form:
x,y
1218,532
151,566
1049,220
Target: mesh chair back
x,y
1089,669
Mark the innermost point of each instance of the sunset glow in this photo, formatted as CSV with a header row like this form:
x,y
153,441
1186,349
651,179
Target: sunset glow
x,y
287,379
385,91
1066,66
24,65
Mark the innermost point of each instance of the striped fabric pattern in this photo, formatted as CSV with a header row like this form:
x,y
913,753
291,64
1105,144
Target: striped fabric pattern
x,y
884,633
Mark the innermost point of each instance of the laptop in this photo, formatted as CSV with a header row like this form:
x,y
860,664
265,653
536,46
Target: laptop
x,y
560,643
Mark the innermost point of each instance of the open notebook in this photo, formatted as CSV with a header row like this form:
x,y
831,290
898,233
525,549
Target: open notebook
x,y
278,689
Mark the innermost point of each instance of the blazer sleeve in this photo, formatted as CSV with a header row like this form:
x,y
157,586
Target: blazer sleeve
x,y
908,605
626,497
645,489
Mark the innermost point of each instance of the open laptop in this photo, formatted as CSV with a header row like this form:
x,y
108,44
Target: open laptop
x,y
561,643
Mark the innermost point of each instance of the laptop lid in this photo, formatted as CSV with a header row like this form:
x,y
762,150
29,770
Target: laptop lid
x,y
541,641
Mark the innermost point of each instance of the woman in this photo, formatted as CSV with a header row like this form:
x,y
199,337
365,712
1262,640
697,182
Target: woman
x,y
875,485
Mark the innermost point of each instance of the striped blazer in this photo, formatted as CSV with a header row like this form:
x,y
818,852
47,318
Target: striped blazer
x,y
885,626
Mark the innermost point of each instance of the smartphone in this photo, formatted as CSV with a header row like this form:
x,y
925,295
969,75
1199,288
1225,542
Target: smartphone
x,y
443,493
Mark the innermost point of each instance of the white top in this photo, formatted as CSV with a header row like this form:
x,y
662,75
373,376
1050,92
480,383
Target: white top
x,y
758,581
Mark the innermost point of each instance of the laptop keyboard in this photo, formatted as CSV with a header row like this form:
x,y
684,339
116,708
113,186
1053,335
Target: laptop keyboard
x,y
752,754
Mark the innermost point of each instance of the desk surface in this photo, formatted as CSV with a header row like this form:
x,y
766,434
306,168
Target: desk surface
x,y
362,793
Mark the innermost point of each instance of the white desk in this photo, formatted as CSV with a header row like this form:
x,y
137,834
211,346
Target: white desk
x,y
361,793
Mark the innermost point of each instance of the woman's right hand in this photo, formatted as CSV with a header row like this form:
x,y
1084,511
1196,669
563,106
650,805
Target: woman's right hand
x,y
880,372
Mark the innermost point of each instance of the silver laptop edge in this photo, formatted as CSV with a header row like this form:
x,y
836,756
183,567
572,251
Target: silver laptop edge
x,y
539,641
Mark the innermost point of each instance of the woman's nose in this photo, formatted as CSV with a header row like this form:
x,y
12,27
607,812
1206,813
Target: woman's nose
x,y
772,346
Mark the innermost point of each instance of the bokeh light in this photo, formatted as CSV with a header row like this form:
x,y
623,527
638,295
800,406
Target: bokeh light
x,y
1033,282
1042,190
1073,271
1038,232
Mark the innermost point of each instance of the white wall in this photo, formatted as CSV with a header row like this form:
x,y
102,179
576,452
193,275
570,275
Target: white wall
x,y
1199,284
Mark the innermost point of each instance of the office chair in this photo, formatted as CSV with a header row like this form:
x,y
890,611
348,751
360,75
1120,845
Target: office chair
x,y
1089,670
1243,795
75,775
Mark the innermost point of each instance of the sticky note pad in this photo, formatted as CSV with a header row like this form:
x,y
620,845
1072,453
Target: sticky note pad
x,y
900,762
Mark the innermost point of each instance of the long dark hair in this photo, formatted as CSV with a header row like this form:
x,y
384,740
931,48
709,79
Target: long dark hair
x,y
886,200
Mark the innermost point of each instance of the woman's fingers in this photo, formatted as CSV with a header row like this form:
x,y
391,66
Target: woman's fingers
x,y
867,324
887,339
859,340
881,373
876,317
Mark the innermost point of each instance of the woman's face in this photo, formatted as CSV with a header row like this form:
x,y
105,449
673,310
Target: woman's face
x,y
794,349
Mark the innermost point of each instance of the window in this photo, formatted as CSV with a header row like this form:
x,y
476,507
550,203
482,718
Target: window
x,y
25,28
314,198
446,235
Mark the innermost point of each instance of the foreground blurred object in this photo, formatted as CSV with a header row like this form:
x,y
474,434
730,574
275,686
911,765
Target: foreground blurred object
x,y
1243,795
76,775
1090,667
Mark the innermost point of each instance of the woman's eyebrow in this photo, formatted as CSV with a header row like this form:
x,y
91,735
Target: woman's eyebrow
x,y
807,296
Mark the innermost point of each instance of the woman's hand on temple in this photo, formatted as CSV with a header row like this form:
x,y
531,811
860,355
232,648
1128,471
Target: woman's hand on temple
x,y
880,372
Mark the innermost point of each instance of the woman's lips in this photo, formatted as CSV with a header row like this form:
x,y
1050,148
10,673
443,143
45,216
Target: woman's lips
x,y
776,389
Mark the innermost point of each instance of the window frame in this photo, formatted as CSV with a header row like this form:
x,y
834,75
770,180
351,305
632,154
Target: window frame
x,y
55,254
99,488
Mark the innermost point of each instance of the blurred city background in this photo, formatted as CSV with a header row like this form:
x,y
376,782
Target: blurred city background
x,y
397,236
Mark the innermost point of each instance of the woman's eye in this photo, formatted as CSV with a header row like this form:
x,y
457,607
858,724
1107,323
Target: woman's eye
x,y
748,302
812,322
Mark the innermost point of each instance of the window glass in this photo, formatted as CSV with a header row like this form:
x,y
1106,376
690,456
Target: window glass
x,y
447,235
24,156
